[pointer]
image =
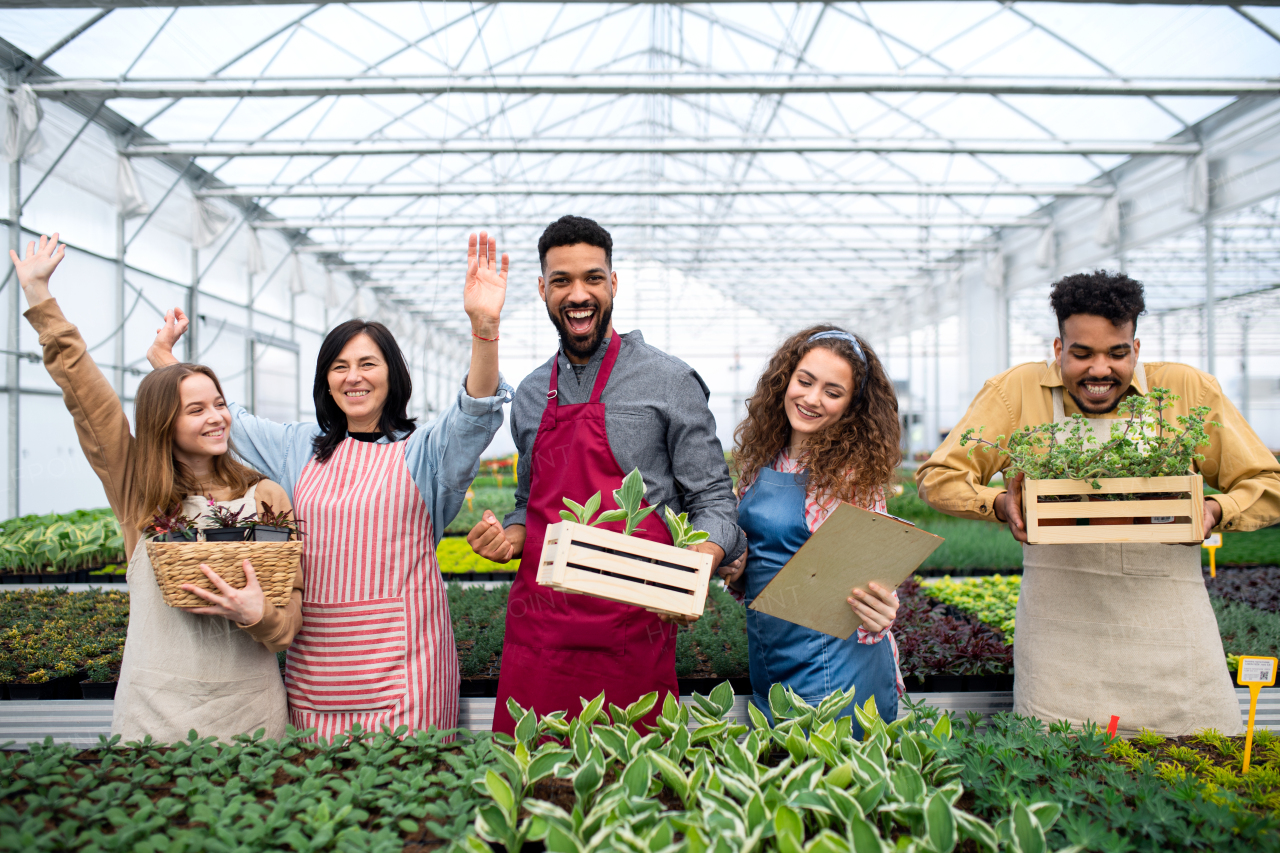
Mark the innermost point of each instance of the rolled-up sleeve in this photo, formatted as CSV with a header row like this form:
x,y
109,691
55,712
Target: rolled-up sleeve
x,y
954,479
699,467
1237,462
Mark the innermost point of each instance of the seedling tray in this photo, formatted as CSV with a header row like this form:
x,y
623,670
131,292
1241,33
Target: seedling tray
x,y
1187,511
589,561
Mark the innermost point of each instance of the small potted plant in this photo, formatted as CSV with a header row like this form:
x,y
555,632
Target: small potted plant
x,y
100,677
1145,459
578,556
228,525
272,526
172,527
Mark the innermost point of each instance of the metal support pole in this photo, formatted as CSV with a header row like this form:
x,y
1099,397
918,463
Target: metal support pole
x,y
117,349
192,351
1210,338
937,382
1244,366
11,360
250,365
297,357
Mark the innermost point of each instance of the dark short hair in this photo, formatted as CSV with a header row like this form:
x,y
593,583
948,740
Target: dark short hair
x,y
1104,294
572,230
395,411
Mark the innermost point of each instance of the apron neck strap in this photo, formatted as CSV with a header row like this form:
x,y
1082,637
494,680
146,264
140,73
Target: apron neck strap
x,y
1059,411
602,376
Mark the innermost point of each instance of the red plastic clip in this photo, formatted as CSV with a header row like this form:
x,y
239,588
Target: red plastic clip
x,y
1115,723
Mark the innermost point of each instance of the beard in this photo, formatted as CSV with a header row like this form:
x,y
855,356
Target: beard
x,y
1092,408
582,346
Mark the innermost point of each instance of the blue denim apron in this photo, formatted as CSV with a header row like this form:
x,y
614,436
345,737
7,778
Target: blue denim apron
x,y
811,663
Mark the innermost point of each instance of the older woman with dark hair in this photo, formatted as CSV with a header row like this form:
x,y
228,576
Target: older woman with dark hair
x,y
375,493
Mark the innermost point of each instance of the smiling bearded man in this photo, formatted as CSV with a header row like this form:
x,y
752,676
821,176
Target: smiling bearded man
x,y
604,404
1120,628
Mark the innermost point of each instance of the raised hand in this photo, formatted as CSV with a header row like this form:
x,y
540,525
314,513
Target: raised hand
x,y
34,271
486,287
160,353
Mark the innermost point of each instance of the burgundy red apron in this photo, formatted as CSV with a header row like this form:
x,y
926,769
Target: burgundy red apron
x,y
560,647
376,645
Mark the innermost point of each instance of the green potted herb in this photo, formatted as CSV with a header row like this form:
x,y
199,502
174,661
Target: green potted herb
x,y
228,525
1147,458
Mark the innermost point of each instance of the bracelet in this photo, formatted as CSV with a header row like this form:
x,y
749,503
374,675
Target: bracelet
x,y
486,340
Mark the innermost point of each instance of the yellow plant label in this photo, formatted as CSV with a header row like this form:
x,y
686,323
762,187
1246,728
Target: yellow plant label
x,y
1256,671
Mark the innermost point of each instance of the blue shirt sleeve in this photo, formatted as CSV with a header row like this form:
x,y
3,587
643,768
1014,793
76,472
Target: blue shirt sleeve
x,y
444,456
279,451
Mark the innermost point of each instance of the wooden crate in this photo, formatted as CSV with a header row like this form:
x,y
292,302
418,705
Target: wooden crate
x,y
1191,507
590,561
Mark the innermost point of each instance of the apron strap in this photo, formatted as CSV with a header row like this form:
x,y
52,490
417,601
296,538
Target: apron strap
x,y
1059,412
606,367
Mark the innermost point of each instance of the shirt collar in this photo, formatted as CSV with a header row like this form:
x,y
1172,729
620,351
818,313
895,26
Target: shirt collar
x,y
1053,377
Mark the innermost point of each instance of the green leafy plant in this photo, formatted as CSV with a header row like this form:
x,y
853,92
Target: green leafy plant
x,y
682,533
1143,443
225,518
993,599
58,543
628,498
169,523
50,633
270,518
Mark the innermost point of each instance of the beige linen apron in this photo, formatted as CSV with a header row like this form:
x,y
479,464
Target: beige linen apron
x,y
184,671
1122,629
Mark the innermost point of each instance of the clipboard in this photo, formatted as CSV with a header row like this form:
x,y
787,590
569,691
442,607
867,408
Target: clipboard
x,y
853,547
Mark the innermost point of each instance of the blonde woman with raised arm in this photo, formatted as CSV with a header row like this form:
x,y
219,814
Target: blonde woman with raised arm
x,y
212,669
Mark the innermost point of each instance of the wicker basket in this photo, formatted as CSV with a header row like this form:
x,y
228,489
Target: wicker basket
x,y
176,563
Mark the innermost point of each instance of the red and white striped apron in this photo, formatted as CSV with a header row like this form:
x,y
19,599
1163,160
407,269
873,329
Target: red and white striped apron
x,y
376,645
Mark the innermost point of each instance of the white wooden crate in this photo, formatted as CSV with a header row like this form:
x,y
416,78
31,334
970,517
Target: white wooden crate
x,y
1190,507
627,569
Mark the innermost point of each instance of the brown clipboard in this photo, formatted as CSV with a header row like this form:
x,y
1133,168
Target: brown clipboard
x,y
853,547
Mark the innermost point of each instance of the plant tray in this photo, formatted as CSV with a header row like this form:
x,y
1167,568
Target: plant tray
x,y
176,563
627,569
1188,512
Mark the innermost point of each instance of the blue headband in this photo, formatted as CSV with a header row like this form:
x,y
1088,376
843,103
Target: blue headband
x,y
837,335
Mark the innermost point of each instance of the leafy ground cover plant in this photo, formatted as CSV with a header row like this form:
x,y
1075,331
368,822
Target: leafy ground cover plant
x,y
802,784
498,499
49,633
992,599
932,641
367,792
60,543
1143,443
1107,806
1246,630
1213,759
455,557
479,625
1258,588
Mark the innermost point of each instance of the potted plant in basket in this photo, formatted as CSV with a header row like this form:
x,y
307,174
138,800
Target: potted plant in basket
x,y
1146,459
172,527
228,525
580,557
272,526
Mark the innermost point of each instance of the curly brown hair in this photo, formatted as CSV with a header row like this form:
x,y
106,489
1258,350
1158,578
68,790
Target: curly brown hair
x,y
853,459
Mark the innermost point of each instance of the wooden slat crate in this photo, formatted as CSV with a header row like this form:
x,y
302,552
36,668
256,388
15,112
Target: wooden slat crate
x,y
1190,507
627,569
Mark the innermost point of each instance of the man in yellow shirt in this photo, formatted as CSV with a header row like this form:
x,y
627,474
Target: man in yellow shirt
x,y
1110,629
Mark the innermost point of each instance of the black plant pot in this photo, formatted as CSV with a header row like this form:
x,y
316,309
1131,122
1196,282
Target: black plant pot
x,y
989,683
225,534
98,689
29,692
177,536
268,533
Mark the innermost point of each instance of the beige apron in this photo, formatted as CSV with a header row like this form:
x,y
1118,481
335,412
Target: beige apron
x,y
183,671
1122,629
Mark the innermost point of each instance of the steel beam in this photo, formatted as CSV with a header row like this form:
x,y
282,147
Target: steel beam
x,y
629,221
664,190
673,85
133,4
736,146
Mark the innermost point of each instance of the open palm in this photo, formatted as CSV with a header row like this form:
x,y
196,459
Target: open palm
x,y
40,261
486,287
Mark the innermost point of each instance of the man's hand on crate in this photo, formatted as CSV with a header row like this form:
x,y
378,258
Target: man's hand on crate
x,y
1008,507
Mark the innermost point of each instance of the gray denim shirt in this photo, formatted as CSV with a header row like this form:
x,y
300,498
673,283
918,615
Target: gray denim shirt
x,y
658,421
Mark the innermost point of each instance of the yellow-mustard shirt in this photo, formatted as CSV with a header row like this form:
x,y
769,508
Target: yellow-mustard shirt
x,y
1236,461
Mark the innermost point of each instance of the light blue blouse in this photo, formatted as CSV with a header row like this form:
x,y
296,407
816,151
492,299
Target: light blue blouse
x,y
443,456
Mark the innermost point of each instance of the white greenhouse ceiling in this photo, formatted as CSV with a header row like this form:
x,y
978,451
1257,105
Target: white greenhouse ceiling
x,y
846,155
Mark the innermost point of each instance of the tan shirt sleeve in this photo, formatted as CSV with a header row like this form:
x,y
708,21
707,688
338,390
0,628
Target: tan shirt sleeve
x,y
954,479
279,625
1238,463
100,421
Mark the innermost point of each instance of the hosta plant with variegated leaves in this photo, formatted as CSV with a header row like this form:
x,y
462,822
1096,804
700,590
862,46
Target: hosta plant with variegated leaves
x,y
799,783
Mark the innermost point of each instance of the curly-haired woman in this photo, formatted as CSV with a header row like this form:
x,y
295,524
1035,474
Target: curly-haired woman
x,y
821,428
